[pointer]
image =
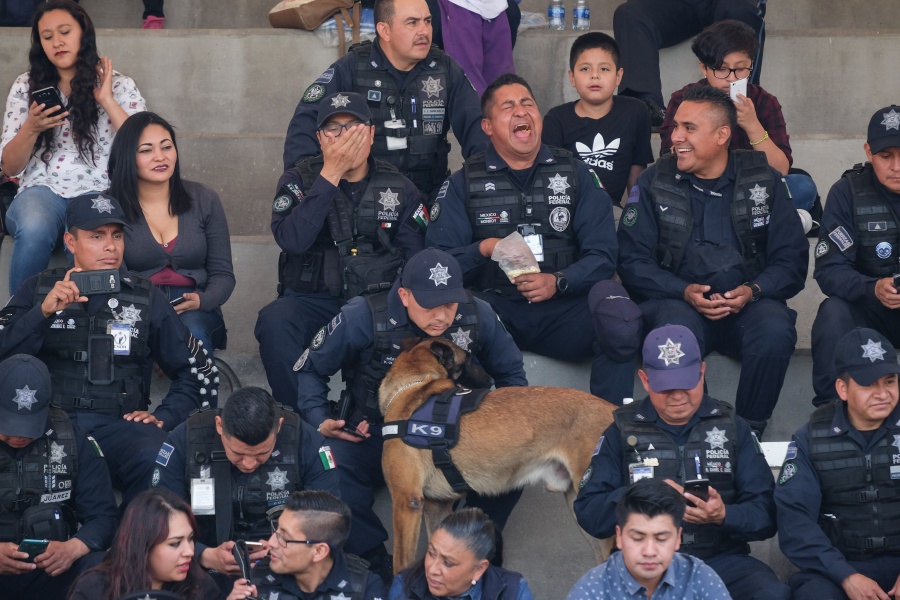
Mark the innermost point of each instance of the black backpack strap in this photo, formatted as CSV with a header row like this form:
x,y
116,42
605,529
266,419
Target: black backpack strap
x,y
222,475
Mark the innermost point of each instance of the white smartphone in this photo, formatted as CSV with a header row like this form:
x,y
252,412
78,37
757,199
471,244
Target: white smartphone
x,y
738,87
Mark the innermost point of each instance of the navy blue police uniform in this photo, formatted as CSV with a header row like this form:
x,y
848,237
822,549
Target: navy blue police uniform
x,y
426,101
65,473
574,215
349,578
715,445
300,460
858,245
306,225
157,335
350,342
673,218
838,503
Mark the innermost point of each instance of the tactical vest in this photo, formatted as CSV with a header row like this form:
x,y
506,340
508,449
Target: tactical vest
x,y
860,509
267,487
363,381
46,473
497,584
717,458
65,350
876,235
751,209
364,232
423,107
496,205
357,570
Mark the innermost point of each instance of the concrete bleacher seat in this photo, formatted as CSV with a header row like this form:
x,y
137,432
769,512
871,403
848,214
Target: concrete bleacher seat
x,y
229,84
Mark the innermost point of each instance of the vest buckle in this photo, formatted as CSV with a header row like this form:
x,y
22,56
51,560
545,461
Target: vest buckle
x,y
80,356
868,496
82,403
875,542
22,504
689,538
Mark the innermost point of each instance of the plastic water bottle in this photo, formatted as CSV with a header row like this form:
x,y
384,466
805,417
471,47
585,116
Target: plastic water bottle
x,y
556,12
581,16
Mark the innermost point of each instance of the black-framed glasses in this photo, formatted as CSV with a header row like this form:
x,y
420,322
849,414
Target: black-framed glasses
x,y
740,72
336,129
283,541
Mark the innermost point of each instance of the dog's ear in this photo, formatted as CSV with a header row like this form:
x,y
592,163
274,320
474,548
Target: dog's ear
x,y
409,343
446,357
474,377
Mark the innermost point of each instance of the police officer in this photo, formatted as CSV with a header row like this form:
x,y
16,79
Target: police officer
x,y
363,340
306,560
681,435
237,467
642,27
858,249
52,479
709,240
837,496
344,222
566,217
416,93
99,345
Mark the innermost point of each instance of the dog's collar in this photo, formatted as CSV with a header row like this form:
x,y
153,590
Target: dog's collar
x,y
397,393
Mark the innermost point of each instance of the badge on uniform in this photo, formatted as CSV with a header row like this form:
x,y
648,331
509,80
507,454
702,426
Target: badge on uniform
x,y
841,238
630,215
821,249
314,93
121,334
787,472
639,471
327,458
282,203
586,477
203,496
318,340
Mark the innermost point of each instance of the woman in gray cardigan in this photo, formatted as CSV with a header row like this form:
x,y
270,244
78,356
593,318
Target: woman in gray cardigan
x,y
178,235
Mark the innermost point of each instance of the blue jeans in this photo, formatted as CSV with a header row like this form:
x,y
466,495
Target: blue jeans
x,y
201,323
36,219
803,190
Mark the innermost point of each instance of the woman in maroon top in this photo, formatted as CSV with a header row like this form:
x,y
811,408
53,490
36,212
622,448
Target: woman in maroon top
x,y
178,235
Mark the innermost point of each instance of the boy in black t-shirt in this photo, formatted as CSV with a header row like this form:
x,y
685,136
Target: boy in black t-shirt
x,y
609,133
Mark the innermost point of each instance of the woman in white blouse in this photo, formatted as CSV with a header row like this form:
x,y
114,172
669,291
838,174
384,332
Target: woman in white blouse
x,y
64,155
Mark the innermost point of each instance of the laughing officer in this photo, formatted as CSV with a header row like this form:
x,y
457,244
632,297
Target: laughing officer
x,y
99,347
559,206
680,434
856,257
331,212
710,240
363,340
51,479
415,91
838,495
237,467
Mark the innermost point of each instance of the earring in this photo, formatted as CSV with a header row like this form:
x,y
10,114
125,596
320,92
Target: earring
x,y
474,581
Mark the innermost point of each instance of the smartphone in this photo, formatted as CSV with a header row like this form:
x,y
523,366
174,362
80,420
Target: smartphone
x,y
344,412
49,97
33,548
254,546
176,302
738,87
697,487
104,281
897,281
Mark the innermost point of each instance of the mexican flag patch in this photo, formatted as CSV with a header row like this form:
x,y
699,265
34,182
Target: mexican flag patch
x,y
327,458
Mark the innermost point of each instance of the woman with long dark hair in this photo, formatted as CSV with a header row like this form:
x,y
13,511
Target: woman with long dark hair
x,y
457,562
153,550
59,156
179,235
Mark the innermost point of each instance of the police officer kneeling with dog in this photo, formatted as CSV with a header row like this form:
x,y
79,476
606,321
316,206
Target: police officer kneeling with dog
x,y
364,339
345,222
695,443
100,342
237,467
305,556
838,495
51,479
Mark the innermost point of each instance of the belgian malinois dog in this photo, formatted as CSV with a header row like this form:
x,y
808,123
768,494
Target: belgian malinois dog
x,y
517,436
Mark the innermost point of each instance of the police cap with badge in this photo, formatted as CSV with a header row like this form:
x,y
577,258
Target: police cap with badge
x,y
91,211
884,129
866,356
434,278
24,397
672,359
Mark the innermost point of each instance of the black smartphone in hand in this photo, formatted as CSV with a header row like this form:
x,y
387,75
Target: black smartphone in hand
x,y
49,97
177,301
697,487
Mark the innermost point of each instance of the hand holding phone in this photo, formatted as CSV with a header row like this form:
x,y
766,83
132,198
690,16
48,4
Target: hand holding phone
x,y
897,282
698,488
176,302
49,97
33,548
738,87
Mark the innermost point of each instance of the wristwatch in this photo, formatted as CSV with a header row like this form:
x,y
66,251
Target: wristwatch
x,y
562,284
755,290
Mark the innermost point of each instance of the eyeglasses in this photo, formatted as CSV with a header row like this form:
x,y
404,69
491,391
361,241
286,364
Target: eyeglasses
x,y
740,72
283,541
336,129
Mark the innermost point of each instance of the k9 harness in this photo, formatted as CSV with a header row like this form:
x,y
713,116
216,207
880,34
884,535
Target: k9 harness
x,y
435,426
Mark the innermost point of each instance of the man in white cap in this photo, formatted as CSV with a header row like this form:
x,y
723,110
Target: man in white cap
x,y
52,479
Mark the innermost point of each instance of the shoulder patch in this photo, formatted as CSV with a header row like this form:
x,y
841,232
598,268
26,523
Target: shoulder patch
x,y
318,339
421,217
756,445
841,238
634,195
821,249
95,446
443,191
282,203
788,470
586,477
326,76
598,446
630,215
314,93
435,211
338,318
327,458
154,481
597,183
791,453
302,360
165,453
